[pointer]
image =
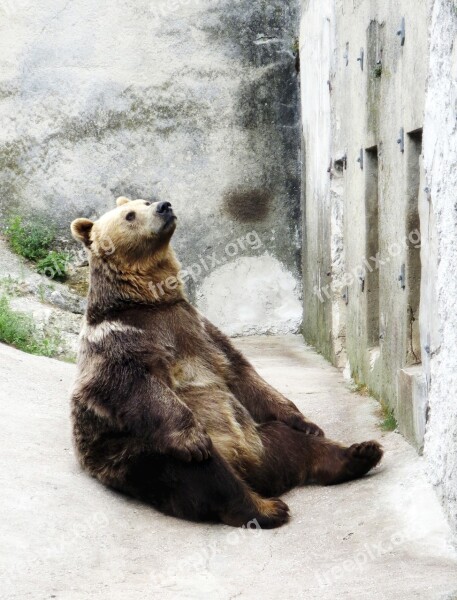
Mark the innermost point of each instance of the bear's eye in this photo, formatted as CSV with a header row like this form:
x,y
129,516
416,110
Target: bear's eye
x,y
130,216
148,203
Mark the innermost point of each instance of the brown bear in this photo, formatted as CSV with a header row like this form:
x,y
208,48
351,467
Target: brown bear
x,y
165,409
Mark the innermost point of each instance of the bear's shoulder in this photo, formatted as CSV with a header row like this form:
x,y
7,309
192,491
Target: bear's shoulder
x,y
142,329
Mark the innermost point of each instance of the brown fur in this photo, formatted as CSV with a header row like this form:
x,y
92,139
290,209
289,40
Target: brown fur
x,y
166,409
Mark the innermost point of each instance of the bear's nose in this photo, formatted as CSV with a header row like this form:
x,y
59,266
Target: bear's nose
x,y
163,208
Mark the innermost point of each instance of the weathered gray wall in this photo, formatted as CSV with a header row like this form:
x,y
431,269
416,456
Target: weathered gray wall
x,y
346,110
192,101
396,337
317,39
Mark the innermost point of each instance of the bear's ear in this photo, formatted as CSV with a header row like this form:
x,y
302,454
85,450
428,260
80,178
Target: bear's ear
x,y
80,230
122,200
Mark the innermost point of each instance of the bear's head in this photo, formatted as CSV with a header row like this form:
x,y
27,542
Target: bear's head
x,y
133,231
129,250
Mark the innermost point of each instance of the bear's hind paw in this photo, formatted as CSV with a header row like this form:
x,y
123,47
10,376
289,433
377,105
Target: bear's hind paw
x,y
365,456
273,513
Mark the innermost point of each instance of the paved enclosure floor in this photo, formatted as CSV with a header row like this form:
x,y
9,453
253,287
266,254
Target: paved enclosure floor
x,y
66,537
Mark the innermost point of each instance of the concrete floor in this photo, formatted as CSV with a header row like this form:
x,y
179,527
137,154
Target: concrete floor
x,y
64,536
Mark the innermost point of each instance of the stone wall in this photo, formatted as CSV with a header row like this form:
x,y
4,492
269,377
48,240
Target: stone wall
x,y
192,101
439,218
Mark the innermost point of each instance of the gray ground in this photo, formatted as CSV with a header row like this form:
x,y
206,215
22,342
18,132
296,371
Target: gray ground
x,y
64,536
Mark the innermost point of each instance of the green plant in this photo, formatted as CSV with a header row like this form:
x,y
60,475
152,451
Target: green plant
x,y
41,290
18,329
32,240
71,359
389,422
54,265
9,285
361,389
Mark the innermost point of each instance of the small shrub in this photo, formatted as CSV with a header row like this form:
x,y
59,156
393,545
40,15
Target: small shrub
x,y
361,389
30,240
18,329
41,290
9,286
389,422
54,265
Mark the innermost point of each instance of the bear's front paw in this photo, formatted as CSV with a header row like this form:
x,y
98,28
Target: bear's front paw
x,y
298,421
194,444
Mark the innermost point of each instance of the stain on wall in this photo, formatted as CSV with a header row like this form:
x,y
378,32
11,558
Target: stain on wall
x,y
248,206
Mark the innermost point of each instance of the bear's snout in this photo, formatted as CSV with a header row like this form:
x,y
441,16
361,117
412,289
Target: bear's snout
x,y
164,208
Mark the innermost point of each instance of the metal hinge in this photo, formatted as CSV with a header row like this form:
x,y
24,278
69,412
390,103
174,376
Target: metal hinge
x,y
401,140
402,277
402,31
361,57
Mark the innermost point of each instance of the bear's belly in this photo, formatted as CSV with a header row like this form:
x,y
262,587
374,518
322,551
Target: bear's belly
x,y
232,429
195,372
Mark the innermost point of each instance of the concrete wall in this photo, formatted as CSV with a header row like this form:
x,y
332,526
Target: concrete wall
x,y
363,189
317,41
380,220
192,101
